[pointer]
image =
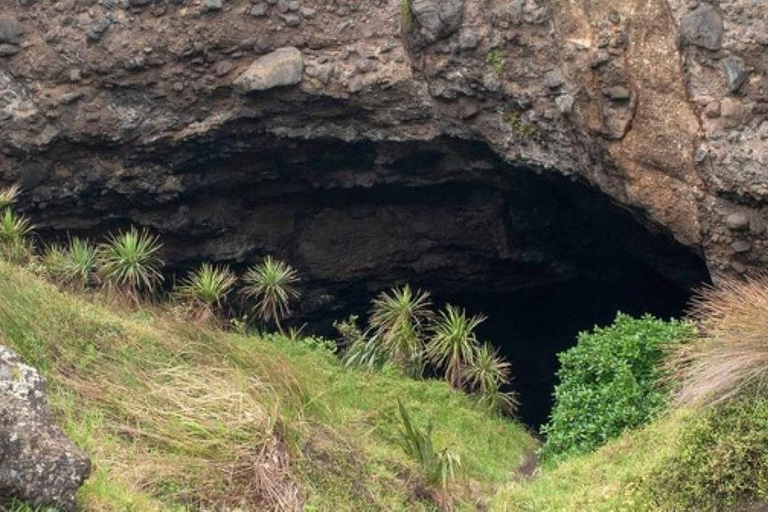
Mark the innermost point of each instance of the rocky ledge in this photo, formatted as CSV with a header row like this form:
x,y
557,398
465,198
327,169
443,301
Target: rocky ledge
x,y
203,117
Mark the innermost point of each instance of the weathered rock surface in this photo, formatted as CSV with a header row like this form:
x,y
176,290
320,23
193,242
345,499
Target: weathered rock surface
x,y
38,464
660,105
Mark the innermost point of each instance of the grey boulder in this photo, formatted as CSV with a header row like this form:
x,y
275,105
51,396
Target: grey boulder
x,y
438,18
38,464
703,27
10,31
284,66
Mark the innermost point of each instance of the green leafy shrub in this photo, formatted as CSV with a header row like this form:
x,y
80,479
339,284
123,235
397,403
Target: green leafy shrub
x,y
721,462
522,129
610,382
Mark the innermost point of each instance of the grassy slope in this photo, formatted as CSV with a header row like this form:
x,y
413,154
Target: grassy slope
x,y
612,478
173,415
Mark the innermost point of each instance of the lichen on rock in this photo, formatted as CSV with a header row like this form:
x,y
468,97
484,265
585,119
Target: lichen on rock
x,y
38,464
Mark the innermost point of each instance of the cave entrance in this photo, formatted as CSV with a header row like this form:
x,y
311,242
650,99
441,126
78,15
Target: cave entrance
x,y
542,255
530,327
575,260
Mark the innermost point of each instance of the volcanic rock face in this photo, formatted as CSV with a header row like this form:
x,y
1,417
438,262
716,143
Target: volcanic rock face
x,y
393,132
38,464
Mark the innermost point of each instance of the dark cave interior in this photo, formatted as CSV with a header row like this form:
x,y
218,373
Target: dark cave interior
x,y
543,256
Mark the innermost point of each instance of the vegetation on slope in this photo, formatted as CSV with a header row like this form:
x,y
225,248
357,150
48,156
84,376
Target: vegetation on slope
x,y
610,382
178,416
707,452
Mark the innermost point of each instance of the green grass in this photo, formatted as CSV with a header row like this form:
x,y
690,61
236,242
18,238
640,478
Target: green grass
x,y
176,417
496,61
615,477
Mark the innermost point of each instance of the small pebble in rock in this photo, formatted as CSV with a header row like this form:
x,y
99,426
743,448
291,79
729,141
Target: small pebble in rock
x,y
737,221
213,5
741,246
259,10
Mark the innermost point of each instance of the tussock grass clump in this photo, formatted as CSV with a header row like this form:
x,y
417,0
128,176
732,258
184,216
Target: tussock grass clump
x,y
731,354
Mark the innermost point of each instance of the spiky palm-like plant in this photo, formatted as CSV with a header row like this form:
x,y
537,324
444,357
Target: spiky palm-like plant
x,y
81,262
486,373
14,230
272,283
54,262
439,466
8,196
13,226
72,264
453,343
207,287
397,320
129,261
361,352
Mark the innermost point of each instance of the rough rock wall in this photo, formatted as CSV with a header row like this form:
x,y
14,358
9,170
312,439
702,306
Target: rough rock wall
x,y
143,110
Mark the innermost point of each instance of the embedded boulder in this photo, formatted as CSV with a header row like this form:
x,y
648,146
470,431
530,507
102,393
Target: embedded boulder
x,y
284,66
10,31
38,463
438,18
703,27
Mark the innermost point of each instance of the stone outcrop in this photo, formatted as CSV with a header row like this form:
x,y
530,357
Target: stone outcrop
x,y
120,112
38,464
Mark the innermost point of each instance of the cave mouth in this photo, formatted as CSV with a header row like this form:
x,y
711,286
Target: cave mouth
x,y
531,327
542,255
577,261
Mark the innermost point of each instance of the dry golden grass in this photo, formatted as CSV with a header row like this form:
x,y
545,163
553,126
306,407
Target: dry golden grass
x,y
731,353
